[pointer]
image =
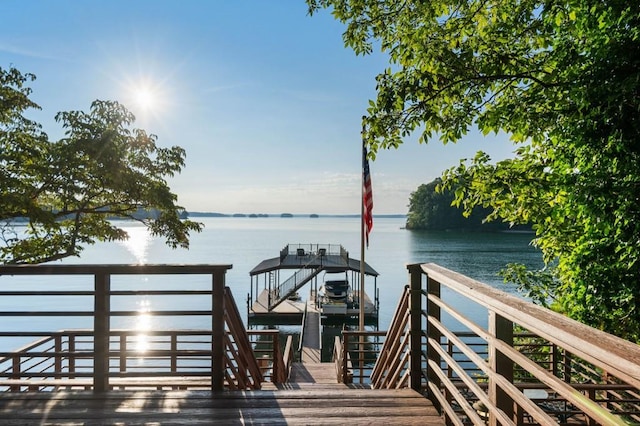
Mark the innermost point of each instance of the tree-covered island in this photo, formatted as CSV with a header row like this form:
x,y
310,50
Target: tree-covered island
x,y
431,208
562,78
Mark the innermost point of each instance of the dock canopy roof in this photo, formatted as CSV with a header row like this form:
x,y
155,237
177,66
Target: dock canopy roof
x,y
330,257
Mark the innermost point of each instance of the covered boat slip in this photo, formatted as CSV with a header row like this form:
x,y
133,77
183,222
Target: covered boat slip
x,y
275,283
291,312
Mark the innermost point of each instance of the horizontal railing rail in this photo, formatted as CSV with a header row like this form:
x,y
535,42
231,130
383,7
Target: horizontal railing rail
x,y
101,358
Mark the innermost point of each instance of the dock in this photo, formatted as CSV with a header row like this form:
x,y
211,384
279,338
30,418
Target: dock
x,y
275,283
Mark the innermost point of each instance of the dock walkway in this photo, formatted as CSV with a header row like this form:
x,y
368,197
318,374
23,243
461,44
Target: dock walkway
x,y
311,348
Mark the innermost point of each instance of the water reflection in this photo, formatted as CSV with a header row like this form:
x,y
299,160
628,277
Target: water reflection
x,y
138,243
142,326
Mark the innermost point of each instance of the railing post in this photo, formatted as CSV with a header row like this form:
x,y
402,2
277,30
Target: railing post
x,y
415,309
57,366
502,329
101,327
15,371
433,311
123,353
345,357
217,331
174,353
275,353
71,358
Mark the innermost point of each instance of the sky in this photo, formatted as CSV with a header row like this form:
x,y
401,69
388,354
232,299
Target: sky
x,y
265,99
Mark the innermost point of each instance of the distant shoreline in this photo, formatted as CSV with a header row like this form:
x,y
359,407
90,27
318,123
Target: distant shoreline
x,y
286,215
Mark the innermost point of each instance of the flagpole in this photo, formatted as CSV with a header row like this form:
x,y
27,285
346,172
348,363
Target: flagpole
x,y
362,233
361,340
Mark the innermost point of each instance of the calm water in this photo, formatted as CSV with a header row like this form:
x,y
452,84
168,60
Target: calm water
x,y
244,242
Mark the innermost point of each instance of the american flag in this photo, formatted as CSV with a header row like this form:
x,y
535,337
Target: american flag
x,y
367,196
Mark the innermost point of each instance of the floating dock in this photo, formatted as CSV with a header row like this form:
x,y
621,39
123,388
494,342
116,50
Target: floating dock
x,y
276,287
276,283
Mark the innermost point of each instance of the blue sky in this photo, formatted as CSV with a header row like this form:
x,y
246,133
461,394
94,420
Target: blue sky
x,y
265,99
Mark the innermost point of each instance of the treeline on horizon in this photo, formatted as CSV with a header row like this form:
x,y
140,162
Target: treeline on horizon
x,y
312,215
432,210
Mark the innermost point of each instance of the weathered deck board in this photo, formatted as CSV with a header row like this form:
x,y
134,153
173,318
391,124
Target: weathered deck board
x,y
317,373
317,405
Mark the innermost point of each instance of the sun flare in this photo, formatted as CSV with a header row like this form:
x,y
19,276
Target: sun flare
x,y
145,98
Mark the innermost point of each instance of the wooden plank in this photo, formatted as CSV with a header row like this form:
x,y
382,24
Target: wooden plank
x,y
314,373
314,409
325,392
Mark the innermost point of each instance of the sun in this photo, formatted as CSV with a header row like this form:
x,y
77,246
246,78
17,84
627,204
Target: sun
x,y
145,98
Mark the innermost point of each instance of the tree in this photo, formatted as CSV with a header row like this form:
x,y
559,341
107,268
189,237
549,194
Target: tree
x,y
562,78
430,208
66,191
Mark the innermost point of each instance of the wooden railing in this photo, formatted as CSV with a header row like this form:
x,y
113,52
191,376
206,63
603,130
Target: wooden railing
x,y
391,370
220,356
360,349
342,361
524,365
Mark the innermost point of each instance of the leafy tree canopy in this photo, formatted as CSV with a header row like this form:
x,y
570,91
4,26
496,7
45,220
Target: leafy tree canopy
x,y
430,208
562,77
66,191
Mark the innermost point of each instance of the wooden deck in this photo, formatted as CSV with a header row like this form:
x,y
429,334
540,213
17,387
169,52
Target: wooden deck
x,y
324,405
311,398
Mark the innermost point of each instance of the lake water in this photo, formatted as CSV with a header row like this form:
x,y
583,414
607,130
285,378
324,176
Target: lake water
x,y
244,242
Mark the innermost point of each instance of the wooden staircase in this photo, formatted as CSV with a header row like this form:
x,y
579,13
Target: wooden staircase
x,y
287,288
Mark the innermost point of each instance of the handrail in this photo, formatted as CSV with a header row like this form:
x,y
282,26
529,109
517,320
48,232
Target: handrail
x,y
287,360
574,365
294,282
247,374
604,350
342,362
314,249
390,362
302,328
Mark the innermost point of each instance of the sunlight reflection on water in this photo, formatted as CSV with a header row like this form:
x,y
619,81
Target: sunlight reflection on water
x,y
138,243
142,326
